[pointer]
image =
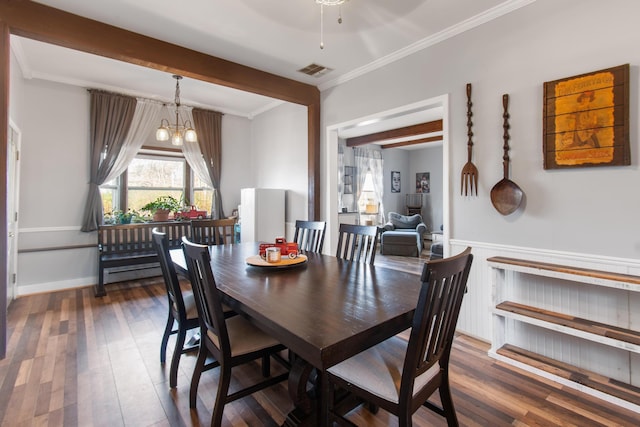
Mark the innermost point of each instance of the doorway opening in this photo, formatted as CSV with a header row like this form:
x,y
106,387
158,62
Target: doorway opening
x,y
332,137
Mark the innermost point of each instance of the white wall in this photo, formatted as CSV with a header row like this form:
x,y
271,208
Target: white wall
x,y
16,90
279,156
53,177
588,210
396,160
428,160
236,143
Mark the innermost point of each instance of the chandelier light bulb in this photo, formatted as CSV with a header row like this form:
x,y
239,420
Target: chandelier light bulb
x,y
190,135
176,139
162,134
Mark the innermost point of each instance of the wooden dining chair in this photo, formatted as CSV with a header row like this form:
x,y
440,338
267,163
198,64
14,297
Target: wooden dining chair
x,y
213,231
231,341
309,235
398,375
357,243
182,308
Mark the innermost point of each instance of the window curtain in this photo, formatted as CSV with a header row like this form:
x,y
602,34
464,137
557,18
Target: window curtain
x,y
208,126
368,160
110,118
193,156
376,167
361,158
144,123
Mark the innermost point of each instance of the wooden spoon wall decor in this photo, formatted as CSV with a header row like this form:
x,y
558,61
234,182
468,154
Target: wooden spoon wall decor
x,y
506,196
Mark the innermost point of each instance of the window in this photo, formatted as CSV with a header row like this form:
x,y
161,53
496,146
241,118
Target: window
x,y
202,194
109,192
151,175
368,202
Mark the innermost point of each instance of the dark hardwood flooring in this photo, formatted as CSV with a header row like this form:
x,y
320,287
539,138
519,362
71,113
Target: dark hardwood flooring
x,y
77,360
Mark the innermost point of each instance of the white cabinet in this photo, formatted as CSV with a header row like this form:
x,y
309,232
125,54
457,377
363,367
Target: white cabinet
x,y
573,325
348,218
261,214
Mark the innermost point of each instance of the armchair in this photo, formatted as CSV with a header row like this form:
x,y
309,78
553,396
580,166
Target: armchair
x,y
403,235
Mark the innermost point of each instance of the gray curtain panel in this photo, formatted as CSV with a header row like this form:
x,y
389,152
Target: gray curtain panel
x,y
110,121
208,126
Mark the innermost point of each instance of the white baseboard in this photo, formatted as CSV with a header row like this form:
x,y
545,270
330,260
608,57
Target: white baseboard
x,y
111,276
39,288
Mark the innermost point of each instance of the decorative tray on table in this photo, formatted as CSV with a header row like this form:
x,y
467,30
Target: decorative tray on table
x,y
285,262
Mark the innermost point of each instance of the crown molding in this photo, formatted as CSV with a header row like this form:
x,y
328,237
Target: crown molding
x,y
463,26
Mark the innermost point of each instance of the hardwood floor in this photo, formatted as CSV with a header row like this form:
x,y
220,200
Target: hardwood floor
x,y
74,359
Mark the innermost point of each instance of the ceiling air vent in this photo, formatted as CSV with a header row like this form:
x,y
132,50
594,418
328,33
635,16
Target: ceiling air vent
x,y
315,70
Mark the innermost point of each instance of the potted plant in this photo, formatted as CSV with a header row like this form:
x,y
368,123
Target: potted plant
x,y
161,207
120,217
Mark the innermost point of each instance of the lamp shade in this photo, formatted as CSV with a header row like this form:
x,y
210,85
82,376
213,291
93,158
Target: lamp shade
x,y
162,134
190,135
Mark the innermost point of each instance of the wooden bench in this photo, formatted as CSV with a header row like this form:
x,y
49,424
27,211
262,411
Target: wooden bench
x,y
131,244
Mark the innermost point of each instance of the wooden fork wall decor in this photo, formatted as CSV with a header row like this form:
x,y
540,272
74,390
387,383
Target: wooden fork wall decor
x,y
469,179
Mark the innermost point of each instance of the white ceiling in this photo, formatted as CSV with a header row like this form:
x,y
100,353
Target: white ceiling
x,y
276,36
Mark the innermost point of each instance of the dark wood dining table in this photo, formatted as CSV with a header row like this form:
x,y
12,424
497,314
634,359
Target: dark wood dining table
x,y
324,310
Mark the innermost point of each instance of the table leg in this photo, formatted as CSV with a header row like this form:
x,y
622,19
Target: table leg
x,y
303,390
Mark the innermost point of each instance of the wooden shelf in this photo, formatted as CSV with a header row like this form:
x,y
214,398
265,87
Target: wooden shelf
x,y
583,275
529,294
596,329
610,387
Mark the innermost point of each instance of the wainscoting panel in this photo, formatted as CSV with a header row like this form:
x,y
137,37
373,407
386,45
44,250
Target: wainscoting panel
x,y
578,328
580,300
54,258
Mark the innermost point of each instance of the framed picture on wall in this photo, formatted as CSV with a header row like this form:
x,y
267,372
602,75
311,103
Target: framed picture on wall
x,y
422,182
349,177
586,120
395,181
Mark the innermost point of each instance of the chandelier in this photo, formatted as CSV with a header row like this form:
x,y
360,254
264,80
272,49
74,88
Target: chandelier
x,y
178,132
322,4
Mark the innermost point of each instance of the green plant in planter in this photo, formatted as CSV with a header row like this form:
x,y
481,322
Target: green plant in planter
x,y
120,217
162,206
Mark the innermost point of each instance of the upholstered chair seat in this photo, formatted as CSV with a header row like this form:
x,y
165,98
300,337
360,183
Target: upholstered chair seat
x,y
378,370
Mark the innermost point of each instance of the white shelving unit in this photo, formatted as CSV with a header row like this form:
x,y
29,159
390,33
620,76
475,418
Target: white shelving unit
x,y
572,325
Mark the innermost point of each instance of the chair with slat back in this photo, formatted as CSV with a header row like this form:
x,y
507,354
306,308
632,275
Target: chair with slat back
x,y
398,375
213,231
232,341
309,235
357,243
182,308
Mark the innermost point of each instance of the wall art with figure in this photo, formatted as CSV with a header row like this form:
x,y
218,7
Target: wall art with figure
x,y
395,181
586,120
422,182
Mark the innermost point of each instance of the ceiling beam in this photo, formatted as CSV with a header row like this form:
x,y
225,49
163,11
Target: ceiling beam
x,y
412,142
413,130
50,25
